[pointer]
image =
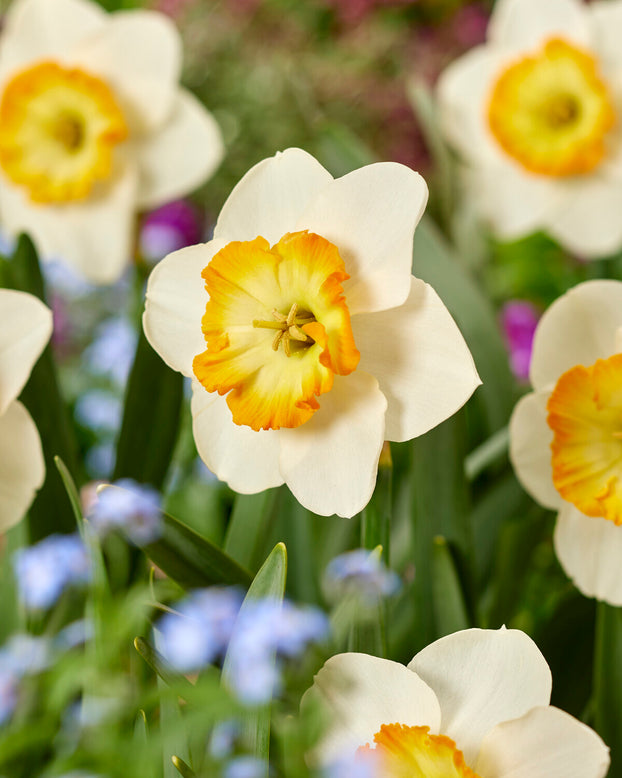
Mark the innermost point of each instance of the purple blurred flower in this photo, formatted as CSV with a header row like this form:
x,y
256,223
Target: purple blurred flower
x,y
8,694
519,319
168,228
200,629
132,507
112,351
44,570
359,573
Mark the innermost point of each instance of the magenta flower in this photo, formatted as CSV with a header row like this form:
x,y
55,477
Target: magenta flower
x,y
519,319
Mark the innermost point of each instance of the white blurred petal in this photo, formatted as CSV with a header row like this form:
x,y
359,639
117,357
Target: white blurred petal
x,y
25,328
22,468
330,463
606,16
544,743
481,678
180,155
360,693
524,25
419,357
590,549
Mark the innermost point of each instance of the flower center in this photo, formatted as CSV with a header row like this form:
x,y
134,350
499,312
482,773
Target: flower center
x,y
58,130
552,111
585,414
410,752
277,328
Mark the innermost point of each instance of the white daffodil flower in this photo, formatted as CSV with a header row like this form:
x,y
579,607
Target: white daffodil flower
x,y
93,127
25,328
308,339
535,113
474,704
566,435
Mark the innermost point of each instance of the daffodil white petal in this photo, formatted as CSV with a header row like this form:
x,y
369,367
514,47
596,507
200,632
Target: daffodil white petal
x,y
25,328
544,743
423,366
176,300
481,678
590,549
530,449
577,329
588,223
513,201
271,197
22,468
138,54
463,93
371,215
94,235
359,693
245,459
330,463
36,30
606,18
181,155
523,25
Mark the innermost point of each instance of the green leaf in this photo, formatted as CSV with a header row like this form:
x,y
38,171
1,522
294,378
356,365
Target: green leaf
x,y
182,768
191,560
160,666
269,582
450,609
608,682
51,510
71,489
434,262
150,419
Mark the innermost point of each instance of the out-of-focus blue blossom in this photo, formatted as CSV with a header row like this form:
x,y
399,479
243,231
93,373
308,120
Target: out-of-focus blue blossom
x,y
7,245
200,629
74,634
100,459
223,737
519,319
45,569
245,767
99,410
8,694
64,279
168,228
112,351
360,766
361,574
132,507
264,630
24,654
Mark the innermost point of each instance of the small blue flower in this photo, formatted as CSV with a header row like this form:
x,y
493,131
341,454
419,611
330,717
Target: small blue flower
x,y
112,351
362,574
45,569
24,654
8,695
200,629
245,767
99,410
132,507
356,767
223,737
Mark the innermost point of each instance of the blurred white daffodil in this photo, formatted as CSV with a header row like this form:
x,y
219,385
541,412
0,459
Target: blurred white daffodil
x,y
535,114
93,127
25,328
308,339
473,704
566,436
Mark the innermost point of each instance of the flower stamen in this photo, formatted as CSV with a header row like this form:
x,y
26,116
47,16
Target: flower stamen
x,y
289,328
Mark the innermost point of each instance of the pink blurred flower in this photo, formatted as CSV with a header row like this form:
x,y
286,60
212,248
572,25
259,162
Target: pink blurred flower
x,y
519,319
168,228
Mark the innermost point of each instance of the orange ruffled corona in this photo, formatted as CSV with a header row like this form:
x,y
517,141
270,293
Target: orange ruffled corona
x,y
552,111
585,414
410,752
277,328
58,129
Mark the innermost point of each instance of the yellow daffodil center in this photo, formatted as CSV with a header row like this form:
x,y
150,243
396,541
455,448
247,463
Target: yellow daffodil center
x,y
585,414
410,752
58,129
552,111
277,328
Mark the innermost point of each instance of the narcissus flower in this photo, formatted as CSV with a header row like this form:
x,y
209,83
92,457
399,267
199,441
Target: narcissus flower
x,y
307,338
93,127
473,704
25,328
566,435
535,114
